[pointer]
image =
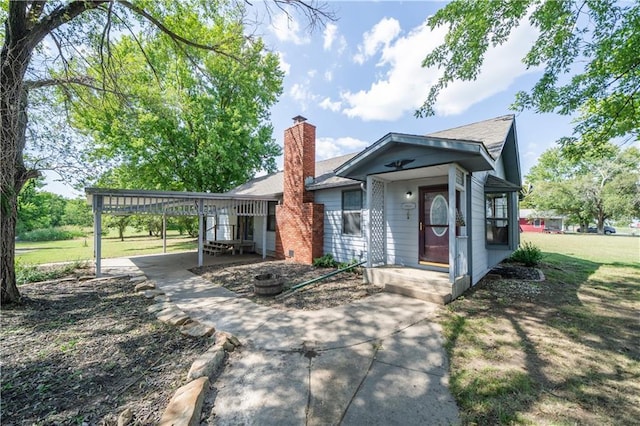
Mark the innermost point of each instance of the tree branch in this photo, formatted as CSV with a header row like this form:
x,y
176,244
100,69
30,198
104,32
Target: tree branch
x,y
80,81
171,34
59,16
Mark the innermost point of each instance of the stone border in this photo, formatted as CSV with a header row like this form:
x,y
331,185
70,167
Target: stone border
x,y
185,407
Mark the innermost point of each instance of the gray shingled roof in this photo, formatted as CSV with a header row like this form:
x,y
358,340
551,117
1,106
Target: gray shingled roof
x,y
272,184
492,133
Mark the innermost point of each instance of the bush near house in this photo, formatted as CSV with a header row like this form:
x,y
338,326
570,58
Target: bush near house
x,y
527,253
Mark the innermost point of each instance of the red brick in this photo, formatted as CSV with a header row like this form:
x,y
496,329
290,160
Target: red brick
x,y
300,222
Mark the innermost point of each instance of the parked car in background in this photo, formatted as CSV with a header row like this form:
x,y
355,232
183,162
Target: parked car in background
x,y
608,230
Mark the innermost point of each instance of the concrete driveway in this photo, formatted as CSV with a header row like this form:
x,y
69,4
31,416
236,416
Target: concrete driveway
x,y
377,361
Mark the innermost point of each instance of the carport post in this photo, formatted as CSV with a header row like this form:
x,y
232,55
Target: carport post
x,y
265,219
164,232
97,233
200,229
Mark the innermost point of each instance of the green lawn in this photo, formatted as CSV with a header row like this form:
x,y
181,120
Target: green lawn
x,y
82,248
604,249
562,351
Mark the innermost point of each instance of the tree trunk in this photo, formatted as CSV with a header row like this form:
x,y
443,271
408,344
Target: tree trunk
x,y
10,293
13,116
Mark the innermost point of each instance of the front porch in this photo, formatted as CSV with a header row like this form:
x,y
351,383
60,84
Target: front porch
x,y
423,284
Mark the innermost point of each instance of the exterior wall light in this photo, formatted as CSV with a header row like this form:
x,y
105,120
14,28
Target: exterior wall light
x,y
409,194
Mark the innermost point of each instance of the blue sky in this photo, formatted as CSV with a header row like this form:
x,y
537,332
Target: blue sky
x,y
359,78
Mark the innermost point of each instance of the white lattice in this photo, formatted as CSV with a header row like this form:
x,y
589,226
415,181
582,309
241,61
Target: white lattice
x,y
376,223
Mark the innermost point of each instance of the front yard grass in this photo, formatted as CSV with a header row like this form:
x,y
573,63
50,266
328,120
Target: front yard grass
x,y
561,351
81,249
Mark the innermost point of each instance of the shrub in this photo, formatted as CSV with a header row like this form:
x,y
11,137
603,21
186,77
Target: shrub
x,y
51,234
527,253
326,261
27,273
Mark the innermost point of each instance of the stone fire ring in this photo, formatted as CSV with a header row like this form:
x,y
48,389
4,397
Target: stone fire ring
x,y
268,284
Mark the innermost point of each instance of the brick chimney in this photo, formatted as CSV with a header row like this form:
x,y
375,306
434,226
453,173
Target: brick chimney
x,y
300,222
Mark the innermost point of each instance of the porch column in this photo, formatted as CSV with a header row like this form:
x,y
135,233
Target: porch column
x,y
164,232
453,248
200,228
368,228
97,233
265,219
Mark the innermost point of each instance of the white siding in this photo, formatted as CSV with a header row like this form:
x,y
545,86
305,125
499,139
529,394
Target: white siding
x,y
343,247
483,258
480,255
402,225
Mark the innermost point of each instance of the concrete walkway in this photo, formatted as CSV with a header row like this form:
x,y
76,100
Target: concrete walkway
x,y
376,361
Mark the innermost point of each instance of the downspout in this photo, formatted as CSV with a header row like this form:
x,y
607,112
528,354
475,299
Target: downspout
x,y
468,194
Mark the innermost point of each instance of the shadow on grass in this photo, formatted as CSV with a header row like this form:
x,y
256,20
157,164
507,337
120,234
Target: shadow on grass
x,y
592,319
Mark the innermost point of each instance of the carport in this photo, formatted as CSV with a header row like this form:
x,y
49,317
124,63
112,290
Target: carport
x,y
171,203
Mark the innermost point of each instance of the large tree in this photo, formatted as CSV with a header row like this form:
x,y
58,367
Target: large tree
x,y
42,41
591,189
589,50
204,127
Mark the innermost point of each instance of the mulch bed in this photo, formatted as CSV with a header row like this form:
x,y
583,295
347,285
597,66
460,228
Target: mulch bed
x,y
80,352
334,291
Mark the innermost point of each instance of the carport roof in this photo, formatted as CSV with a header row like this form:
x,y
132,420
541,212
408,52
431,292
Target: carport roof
x,y
179,203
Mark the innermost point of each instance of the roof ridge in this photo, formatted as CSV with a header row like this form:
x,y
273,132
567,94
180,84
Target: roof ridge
x,y
510,116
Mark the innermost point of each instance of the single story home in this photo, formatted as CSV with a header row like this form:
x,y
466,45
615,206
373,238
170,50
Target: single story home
x,y
433,212
531,220
444,202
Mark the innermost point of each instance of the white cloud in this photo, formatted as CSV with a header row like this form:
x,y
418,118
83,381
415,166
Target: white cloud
x,y
381,35
334,147
330,32
312,73
331,106
328,75
404,85
284,65
286,28
331,36
301,94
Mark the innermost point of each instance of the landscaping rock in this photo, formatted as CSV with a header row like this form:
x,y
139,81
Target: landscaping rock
x,y
173,316
150,294
197,329
222,336
162,298
125,417
146,285
160,307
207,363
185,406
138,278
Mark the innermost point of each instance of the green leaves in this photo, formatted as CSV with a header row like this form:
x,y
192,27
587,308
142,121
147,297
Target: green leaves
x,y
590,52
191,119
594,188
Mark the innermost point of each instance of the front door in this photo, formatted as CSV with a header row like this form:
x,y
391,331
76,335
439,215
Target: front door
x,y
434,225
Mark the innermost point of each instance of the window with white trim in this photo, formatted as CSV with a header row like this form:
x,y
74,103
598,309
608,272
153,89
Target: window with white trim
x,y
271,215
497,218
352,212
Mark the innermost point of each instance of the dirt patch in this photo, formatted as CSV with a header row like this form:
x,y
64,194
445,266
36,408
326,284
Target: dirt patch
x,y
334,291
80,352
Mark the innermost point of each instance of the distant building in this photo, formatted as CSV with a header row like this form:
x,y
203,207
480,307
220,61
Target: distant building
x,y
532,220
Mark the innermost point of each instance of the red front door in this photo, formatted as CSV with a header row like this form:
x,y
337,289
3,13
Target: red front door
x,y
434,225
